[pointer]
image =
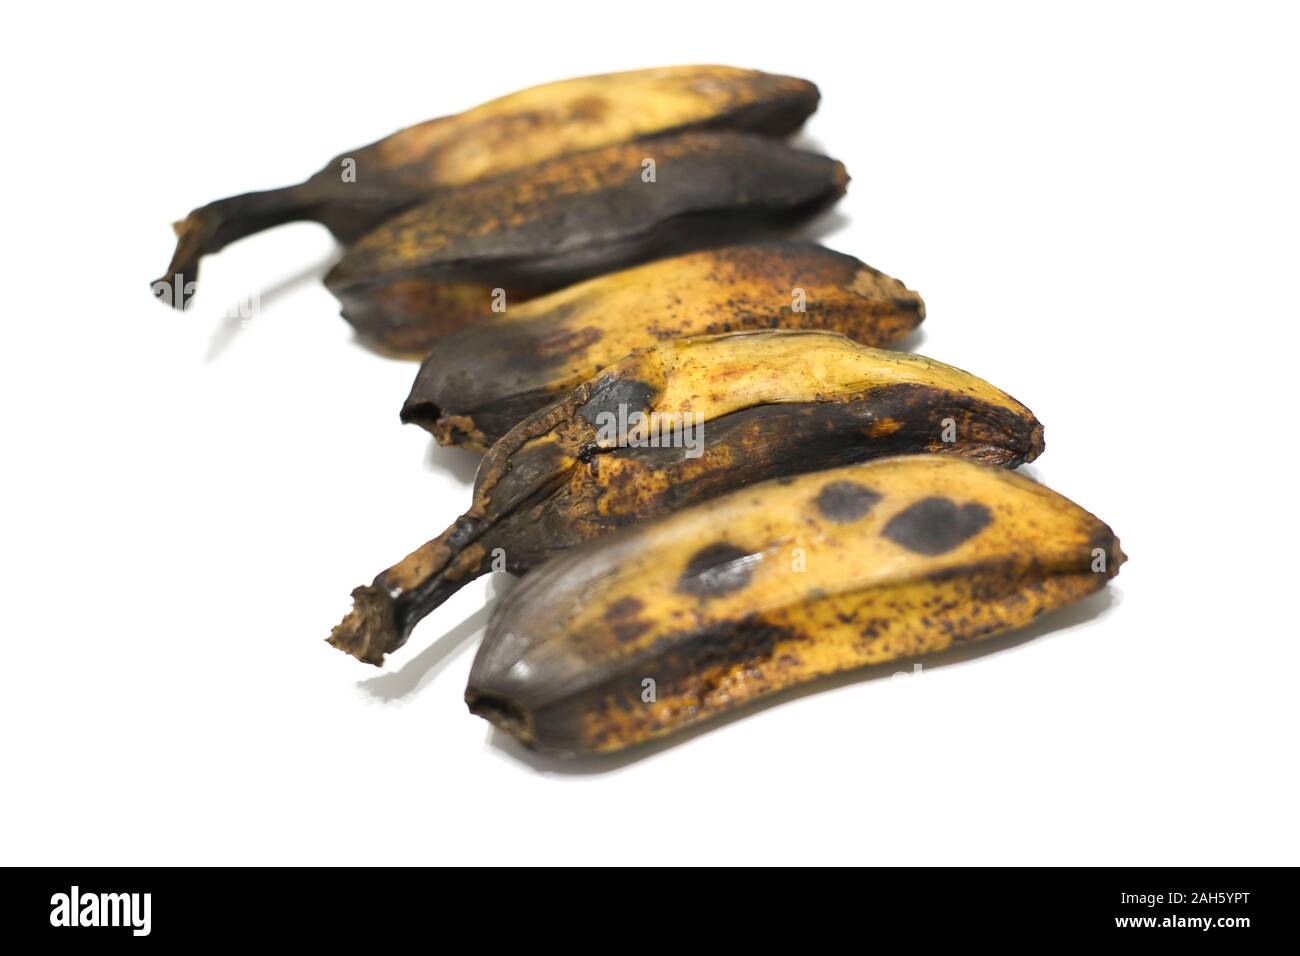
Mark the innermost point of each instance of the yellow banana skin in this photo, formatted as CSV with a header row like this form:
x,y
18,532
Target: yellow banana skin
x,y
530,126
771,404
775,585
483,379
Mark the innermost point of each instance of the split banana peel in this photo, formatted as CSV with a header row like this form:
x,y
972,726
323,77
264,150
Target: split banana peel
x,y
546,226
357,190
481,380
679,423
651,630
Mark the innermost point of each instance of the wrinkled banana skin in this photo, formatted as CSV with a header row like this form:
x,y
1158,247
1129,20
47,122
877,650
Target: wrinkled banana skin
x,y
776,585
773,404
484,378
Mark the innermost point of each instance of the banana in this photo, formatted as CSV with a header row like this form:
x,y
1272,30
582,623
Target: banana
x,y
484,378
651,630
555,223
672,425
357,190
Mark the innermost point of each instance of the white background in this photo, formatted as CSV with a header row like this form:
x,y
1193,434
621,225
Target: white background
x,y
1100,208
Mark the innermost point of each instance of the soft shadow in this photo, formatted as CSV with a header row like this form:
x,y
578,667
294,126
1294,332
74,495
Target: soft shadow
x,y
909,342
823,226
461,463
424,666
253,306
802,140
1091,607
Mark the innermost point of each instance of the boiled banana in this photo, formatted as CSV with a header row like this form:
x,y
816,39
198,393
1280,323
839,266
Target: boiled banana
x,y
680,423
359,189
484,378
667,624
549,225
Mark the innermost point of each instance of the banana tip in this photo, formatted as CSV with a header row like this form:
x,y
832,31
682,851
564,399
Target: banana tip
x,y
1118,557
841,178
501,713
1036,441
363,632
178,286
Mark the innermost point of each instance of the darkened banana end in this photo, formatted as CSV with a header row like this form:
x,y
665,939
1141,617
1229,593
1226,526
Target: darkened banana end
x,y
1036,444
385,611
369,631
212,227
178,285
503,715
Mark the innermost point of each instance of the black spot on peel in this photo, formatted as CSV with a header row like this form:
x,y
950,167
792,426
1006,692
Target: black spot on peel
x,y
936,525
611,393
845,501
716,569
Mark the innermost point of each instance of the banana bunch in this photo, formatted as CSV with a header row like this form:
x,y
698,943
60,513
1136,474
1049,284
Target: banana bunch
x,y
481,380
647,631
679,423
717,483
357,190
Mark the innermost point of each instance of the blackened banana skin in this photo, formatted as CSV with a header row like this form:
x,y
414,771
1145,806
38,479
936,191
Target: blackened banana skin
x,y
772,404
745,447
359,189
540,228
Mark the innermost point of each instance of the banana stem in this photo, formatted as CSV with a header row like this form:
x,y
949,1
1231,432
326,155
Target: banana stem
x,y
384,612
212,227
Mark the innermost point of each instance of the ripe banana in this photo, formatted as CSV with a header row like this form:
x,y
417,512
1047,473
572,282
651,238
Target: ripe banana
x,y
358,190
484,378
552,224
645,632
676,424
